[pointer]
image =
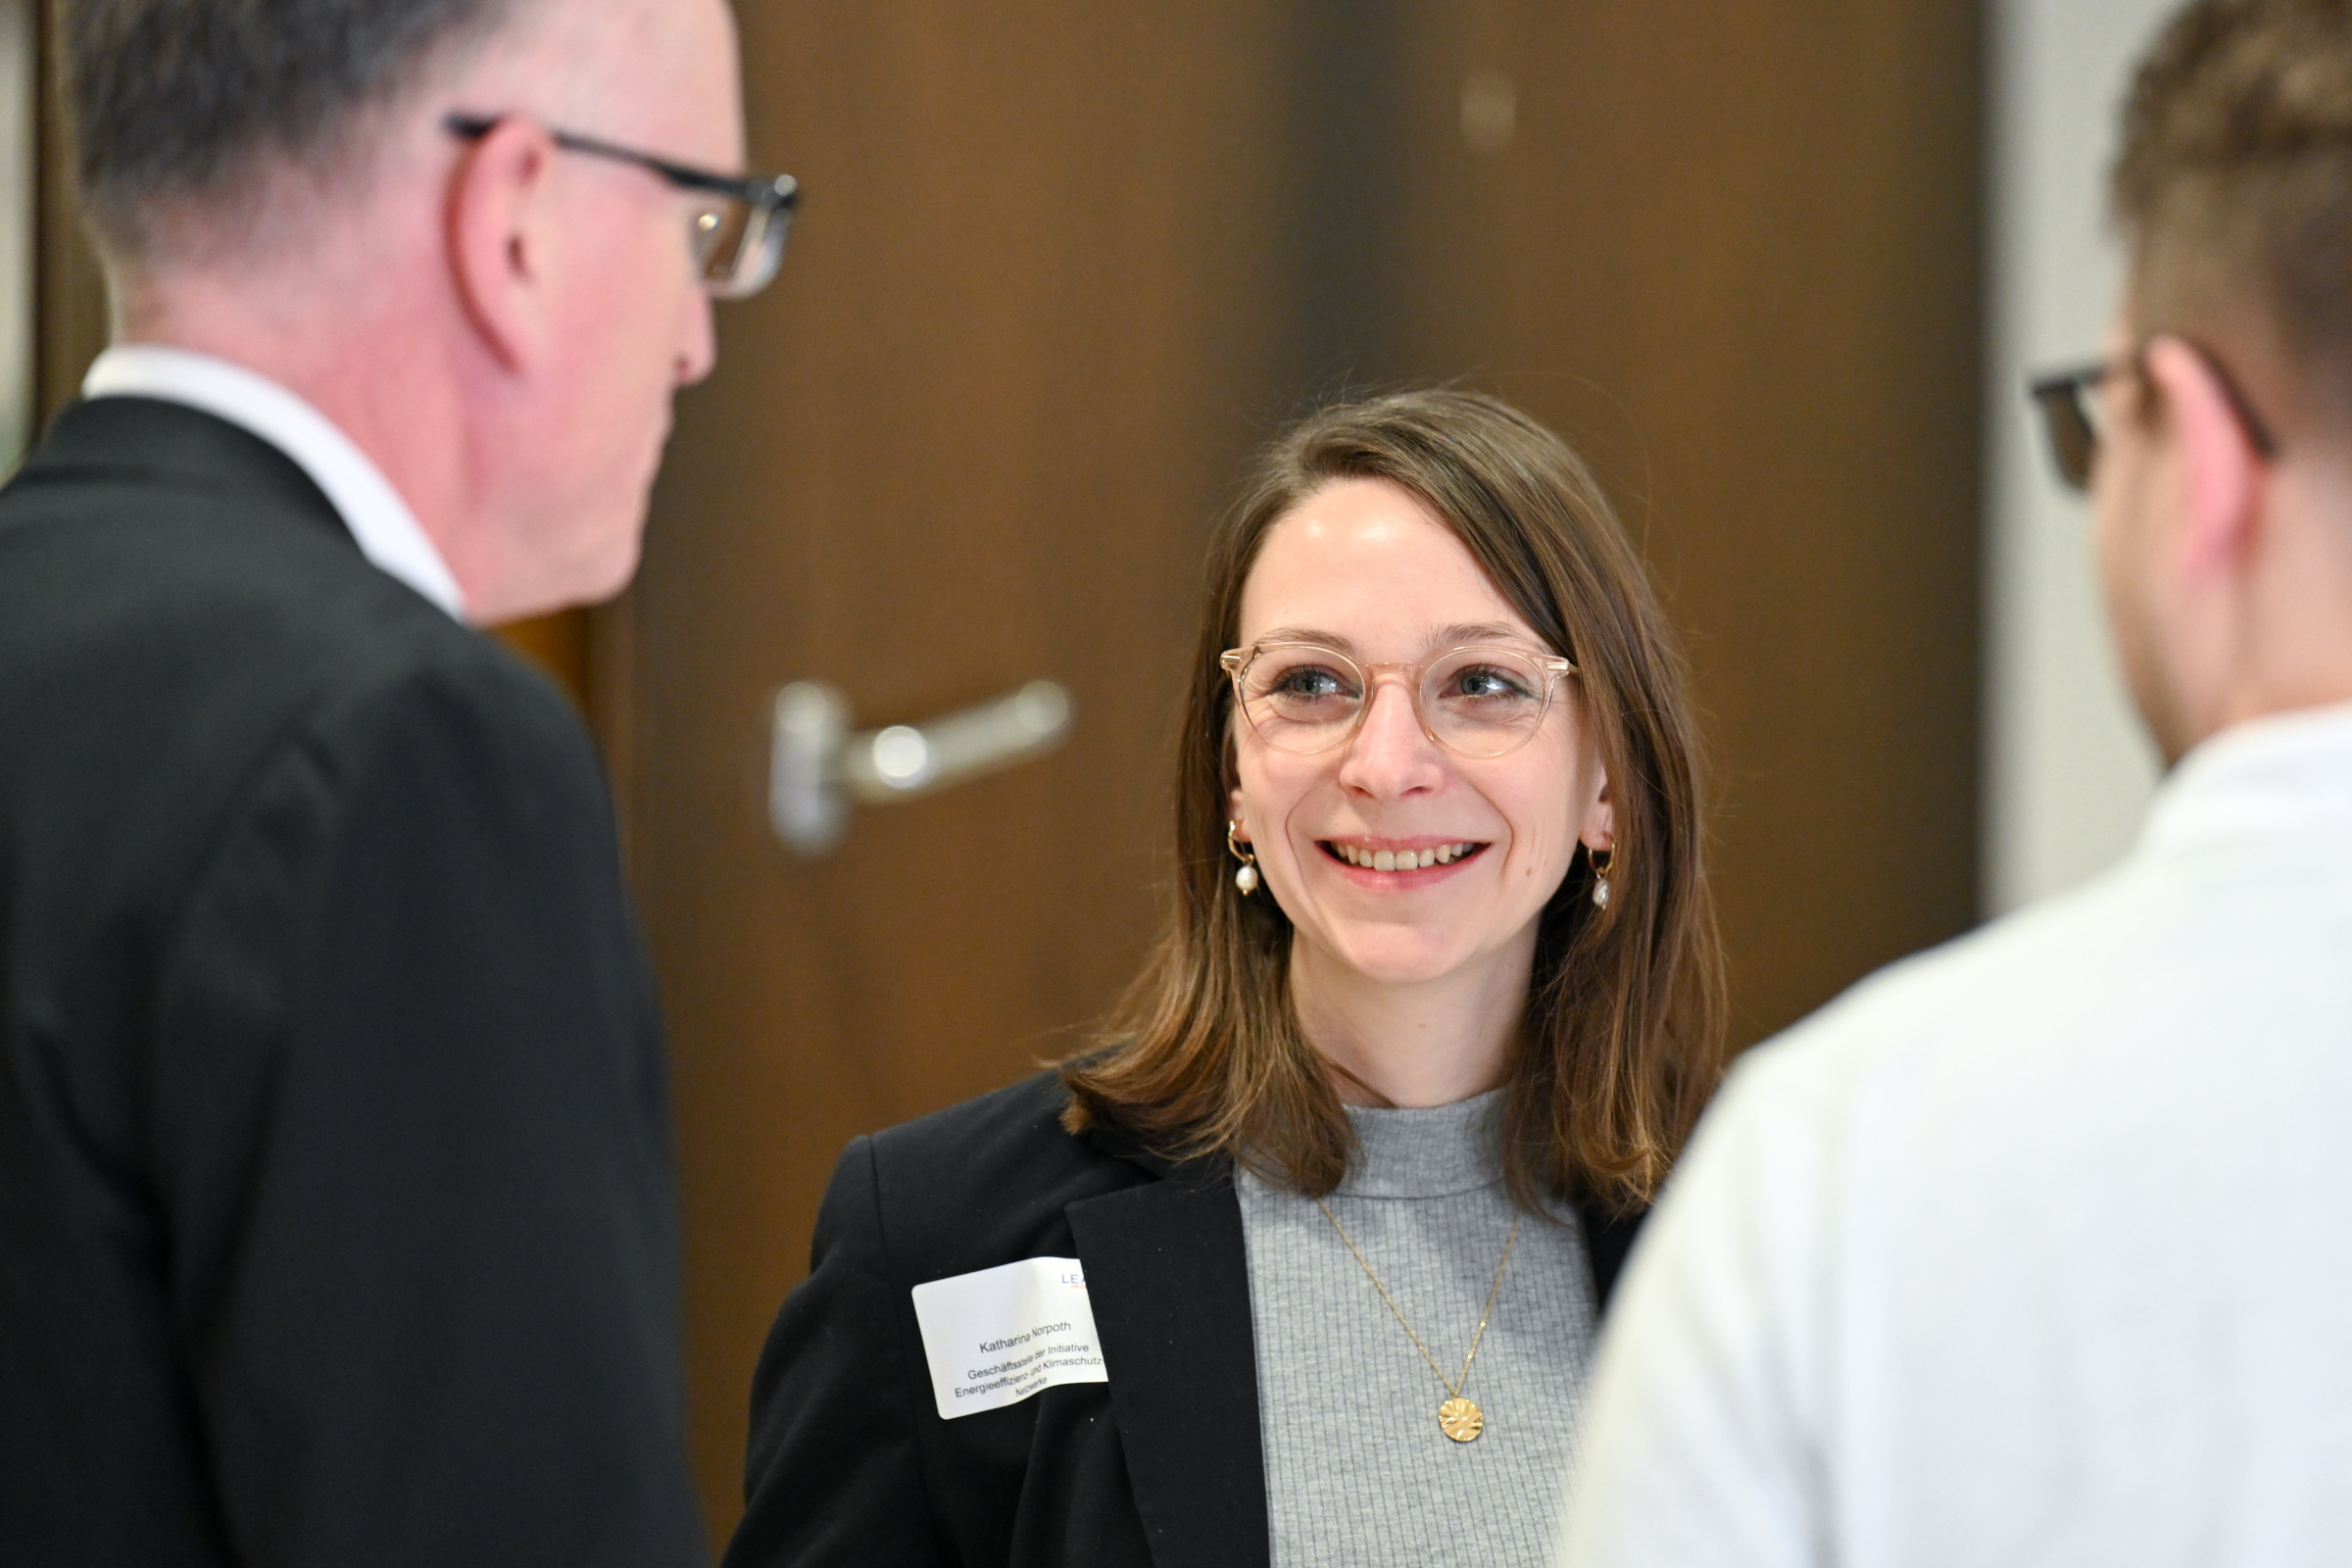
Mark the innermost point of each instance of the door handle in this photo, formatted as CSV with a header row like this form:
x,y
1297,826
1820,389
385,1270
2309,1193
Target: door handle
x,y
817,768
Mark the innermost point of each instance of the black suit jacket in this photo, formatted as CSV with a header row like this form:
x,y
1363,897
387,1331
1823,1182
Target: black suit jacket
x,y
337,1208
1161,1467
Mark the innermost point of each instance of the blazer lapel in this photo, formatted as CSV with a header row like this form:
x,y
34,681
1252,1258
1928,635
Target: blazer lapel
x,y
1169,1281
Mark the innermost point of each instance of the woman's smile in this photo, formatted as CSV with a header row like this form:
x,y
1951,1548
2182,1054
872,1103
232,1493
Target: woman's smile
x,y
1398,864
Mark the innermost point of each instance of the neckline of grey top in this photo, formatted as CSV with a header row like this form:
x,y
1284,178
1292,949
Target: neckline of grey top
x,y
1432,1151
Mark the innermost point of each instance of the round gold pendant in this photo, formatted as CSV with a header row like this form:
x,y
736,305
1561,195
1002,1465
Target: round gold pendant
x,y
1461,1420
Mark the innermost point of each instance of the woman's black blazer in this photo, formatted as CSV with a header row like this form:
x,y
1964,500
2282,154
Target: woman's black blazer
x,y
1161,1467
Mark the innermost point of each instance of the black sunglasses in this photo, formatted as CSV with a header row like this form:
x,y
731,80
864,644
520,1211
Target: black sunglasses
x,y
738,239
2069,414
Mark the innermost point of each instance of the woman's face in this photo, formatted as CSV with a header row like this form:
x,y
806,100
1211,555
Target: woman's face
x,y
1365,567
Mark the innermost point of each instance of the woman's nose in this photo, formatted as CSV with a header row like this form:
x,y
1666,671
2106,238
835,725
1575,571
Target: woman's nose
x,y
1390,753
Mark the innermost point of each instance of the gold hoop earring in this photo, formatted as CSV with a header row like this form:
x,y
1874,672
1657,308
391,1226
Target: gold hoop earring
x,y
1603,863
1247,877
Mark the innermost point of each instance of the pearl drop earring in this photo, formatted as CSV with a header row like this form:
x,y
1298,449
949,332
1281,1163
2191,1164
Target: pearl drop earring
x,y
1603,863
1247,877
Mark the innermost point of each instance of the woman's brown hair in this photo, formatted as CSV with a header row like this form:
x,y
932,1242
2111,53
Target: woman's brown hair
x,y
1621,1042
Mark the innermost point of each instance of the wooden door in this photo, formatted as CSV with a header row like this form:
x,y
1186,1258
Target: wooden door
x,y
1033,318
1731,248
1060,267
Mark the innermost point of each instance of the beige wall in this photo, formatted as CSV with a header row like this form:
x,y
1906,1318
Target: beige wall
x,y
2067,771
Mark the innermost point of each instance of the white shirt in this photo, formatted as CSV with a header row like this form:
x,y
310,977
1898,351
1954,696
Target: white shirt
x,y
386,532
2035,1249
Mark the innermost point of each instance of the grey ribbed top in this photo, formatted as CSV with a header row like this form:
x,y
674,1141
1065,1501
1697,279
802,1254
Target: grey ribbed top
x,y
1357,1471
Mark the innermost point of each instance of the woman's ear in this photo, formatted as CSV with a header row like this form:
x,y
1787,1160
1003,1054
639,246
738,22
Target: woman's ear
x,y
1598,830
1233,812
502,236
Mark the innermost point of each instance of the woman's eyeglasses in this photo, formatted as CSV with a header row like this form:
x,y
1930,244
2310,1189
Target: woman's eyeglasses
x,y
2073,420
1302,698
738,234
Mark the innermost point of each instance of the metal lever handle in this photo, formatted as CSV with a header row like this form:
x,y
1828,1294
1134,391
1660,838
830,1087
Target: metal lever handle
x,y
816,768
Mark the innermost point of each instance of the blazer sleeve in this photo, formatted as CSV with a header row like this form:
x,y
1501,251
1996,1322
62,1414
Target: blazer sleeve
x,y
407,1125
834,1474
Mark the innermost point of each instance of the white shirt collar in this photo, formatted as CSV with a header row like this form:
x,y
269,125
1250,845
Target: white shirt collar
x,y
386,532
2284,775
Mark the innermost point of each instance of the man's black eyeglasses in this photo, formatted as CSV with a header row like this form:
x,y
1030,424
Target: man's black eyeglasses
x,y
2071,420
738,237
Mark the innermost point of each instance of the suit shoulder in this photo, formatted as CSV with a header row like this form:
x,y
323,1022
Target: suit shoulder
x,y
1006,1134
113,580
985,1182
252,585
231,631
442,676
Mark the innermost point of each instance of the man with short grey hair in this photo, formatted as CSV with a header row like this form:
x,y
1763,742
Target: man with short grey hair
x,y
337,1217
2038,1248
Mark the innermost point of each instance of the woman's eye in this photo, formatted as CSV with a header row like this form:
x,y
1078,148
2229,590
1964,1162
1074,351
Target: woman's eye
x,y
1486,682
1309,682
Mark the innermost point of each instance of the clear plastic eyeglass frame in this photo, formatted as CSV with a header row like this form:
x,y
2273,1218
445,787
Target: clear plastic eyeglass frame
x,y
1463,733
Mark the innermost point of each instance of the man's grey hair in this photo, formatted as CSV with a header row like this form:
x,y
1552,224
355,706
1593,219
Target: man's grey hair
x,y
177,103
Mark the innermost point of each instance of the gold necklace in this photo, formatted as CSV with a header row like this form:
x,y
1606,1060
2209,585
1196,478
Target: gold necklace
x,y
1458,1418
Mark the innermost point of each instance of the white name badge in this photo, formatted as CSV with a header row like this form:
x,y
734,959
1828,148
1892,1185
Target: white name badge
x,y
998,1336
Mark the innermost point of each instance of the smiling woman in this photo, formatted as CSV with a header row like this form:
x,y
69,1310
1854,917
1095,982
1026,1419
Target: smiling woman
x,y
1254,1282
1542,707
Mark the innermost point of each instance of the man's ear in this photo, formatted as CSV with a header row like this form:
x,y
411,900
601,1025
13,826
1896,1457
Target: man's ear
x,y
2223,476
502,239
